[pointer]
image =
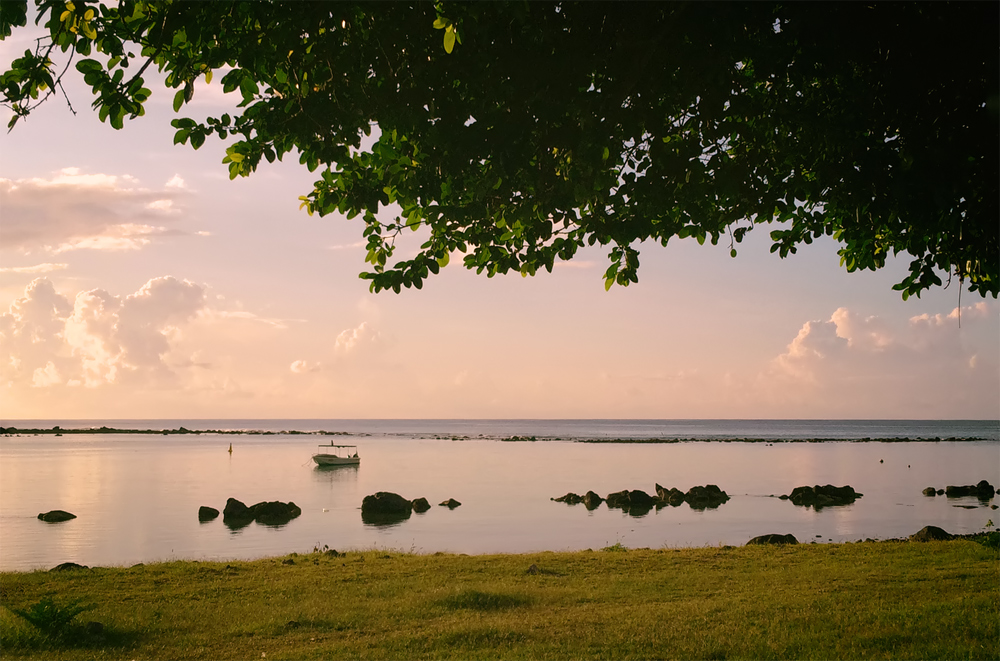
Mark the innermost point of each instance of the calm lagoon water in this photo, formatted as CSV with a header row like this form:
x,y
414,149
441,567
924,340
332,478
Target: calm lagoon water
x,y
137,496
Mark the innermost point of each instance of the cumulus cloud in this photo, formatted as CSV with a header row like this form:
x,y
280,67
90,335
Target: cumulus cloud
x,y
357,339
303,366
849,362
98,337
73,211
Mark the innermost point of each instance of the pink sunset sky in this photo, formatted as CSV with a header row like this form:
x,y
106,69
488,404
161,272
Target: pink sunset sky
x,y
138,281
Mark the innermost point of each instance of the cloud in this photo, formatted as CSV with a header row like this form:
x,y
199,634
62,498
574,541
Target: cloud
x,y
74,211
175,182
44,377
869,366
37,268
357,339
302,366
97,339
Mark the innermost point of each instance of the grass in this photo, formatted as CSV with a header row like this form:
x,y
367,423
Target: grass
x,y
898,600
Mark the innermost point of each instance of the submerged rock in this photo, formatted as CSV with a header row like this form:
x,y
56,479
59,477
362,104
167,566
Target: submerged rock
x,y
774,539
451,503
55,516
570,499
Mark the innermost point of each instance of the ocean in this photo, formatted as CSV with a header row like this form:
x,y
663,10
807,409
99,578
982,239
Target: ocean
x,y
136,496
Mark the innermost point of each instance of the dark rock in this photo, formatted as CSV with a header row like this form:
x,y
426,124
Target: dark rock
x,y
207,513
275,513
672,496
826,496
930,491
236,514
591,500
68,566
385,502
640,499
940,492
56,516
929,534
235,509
618,499
774,539
385,509
451,503
569,499
984,491
420,505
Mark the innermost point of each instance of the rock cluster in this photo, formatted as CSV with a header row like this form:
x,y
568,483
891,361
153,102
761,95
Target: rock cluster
x,y
638,502
590,499
983,491
237,515
386,508
819,497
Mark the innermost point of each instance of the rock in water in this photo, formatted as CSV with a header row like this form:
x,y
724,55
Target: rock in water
x,y
825,496
774,539
56,516
451,503
385,508
420,505
591,500
618,499
929,491
236,514
206,513
275,513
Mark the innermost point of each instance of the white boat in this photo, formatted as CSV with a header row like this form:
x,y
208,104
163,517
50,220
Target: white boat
x,y
339,455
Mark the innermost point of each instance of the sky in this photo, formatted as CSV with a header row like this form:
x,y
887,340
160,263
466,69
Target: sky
x,y
137,281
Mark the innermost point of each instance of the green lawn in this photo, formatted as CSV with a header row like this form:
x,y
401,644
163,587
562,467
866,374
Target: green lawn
x,y
892,600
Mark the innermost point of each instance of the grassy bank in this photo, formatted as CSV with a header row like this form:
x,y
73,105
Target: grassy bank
x,y
872,600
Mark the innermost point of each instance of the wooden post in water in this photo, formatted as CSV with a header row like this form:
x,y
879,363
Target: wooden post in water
x,y
230,448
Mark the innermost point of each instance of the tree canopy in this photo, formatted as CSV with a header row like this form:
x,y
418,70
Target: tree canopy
x,y
516,133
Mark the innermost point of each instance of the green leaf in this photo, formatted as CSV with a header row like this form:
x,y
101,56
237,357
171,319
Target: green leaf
x,y
449,40
178,99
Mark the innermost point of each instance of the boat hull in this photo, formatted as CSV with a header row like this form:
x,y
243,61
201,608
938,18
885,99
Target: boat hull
x,y
334,460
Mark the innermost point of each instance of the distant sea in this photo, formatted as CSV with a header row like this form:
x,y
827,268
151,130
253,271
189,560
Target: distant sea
x,y
585,429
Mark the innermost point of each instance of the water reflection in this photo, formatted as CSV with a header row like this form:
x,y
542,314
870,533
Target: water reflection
x,y
335,474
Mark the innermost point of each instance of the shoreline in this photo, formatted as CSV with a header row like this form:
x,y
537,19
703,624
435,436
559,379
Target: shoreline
x,y
182,431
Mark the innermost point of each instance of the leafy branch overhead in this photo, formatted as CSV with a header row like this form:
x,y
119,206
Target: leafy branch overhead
x,y
558,126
